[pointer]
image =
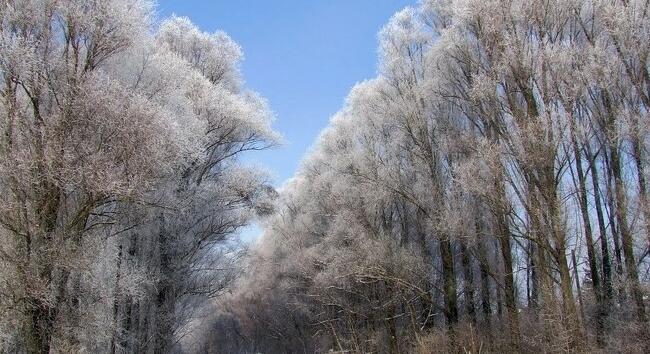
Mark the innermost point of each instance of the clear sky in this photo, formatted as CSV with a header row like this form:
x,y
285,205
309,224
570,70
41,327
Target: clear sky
x,y
302,55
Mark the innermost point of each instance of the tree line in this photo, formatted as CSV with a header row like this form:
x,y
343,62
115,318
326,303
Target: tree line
x,y
486,192
120,186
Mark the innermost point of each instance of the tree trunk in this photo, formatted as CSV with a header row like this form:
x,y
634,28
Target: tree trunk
x,y
637,150
39,327
503,236
616,237
626,236
486,305
449,280
604,247
589,240
469,285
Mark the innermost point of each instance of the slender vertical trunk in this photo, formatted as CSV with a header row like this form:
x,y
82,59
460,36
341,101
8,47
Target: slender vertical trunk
x,y
503,236
449,279
116,300
392,326
626,236
499,301
41,312
545,294
468,273
604,247
568,302
559,253
509,290
485,287
576,276
449,287
427,303
164,310
637,151
589,240
533,301
616,237
584,211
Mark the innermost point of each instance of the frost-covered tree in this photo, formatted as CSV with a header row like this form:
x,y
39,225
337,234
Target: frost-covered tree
x,y
470,196
119,174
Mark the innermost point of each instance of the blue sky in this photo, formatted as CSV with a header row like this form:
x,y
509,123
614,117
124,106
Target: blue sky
x,y
304,56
